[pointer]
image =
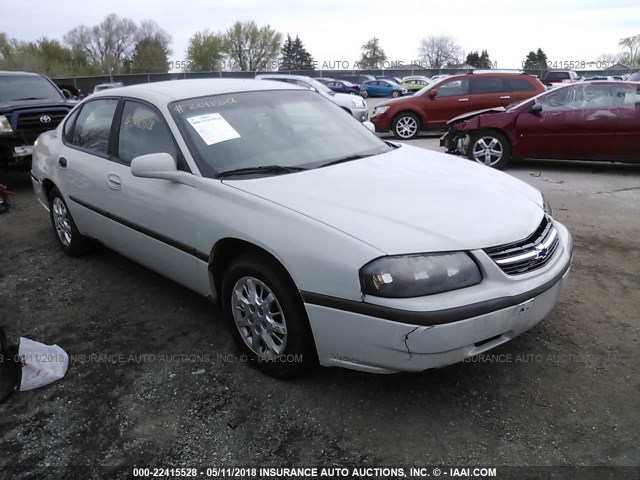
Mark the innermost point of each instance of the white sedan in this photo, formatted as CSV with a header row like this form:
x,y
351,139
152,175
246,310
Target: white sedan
x,y
321,242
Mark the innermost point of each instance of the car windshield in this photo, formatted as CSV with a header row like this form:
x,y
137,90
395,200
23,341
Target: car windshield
x,y
27,87
275,128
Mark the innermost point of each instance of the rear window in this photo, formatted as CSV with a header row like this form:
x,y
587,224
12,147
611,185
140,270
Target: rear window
x,y
557,76
518,85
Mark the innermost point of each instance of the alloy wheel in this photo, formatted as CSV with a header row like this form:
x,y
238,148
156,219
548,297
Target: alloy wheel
x,y
62,221
406,127
259,317
488,150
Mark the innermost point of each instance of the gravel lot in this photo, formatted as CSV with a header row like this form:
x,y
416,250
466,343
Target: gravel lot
x,y
165,379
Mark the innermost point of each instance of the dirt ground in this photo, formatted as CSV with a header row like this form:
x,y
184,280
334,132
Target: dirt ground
x,y
154,377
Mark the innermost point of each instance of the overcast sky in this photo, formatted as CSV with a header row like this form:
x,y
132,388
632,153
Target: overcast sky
x,y
334,30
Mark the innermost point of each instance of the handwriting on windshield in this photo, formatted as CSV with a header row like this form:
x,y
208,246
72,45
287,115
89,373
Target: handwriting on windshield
x,y
183,107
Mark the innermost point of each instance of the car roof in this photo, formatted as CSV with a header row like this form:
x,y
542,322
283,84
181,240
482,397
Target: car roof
x,y
6,73
283,75
171,90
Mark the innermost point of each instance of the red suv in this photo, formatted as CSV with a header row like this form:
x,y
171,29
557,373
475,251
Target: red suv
x,y
433,106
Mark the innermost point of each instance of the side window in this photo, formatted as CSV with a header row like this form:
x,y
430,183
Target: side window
x,y
481,85
454,88
518,85
143,131
93,126
68,125
598,96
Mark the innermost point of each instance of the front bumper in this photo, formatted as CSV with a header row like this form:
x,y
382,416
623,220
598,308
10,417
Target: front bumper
x,y
365,340
362,115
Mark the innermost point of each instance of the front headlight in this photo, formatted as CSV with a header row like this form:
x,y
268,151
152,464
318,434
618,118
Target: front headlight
x,y
380,110
5,126
418,275
358,103
547,207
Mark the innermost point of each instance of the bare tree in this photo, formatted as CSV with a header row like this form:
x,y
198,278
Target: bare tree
x,y
633,45
439,51
252,48
151,31
106,45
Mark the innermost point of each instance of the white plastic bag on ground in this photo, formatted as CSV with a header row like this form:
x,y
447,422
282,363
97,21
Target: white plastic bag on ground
x,y
41,364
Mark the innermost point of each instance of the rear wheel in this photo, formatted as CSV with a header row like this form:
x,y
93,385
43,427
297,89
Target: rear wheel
x,y
266,316
406,126
490,148
364,94
69,238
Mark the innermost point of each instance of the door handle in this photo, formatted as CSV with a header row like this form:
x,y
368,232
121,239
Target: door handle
x,y
113,181
62,162
463,99
505,97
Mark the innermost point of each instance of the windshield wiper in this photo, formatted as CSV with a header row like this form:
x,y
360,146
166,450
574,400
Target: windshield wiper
x,y
348,158
29,98
392,145
268,169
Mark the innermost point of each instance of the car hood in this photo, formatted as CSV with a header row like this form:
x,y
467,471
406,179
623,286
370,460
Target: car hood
x,y
475,113
7,107
344,99
409,200
396,100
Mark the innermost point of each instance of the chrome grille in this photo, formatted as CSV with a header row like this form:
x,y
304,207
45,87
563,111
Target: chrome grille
x,y
30,124
526,255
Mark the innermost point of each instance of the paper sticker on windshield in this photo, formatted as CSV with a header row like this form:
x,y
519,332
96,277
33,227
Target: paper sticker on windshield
x,y
213,128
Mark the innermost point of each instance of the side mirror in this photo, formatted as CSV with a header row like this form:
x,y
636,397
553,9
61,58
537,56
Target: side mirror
x,y
535,108
433,93
370,126
67,94
161,166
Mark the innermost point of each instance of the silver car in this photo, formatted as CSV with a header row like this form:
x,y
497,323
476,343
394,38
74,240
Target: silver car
x,y
320,241
356,106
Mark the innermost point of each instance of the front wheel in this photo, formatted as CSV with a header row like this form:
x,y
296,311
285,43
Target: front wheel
x,y
489,148
395,94
266,316
406,126
69,238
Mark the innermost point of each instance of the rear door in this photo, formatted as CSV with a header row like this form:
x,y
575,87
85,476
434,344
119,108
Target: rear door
x,y
520,88
487,91
452,100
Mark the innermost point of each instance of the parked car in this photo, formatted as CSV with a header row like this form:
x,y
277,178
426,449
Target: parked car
x,y
432,107
340,86
391,79
382,88
600,77
251,193
354,106
634,77
583,121
553,78
415,83
439,77
357,79
106,86
30,104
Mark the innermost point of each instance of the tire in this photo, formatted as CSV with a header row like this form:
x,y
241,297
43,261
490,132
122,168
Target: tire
x,y
490,148
395,94
290,349
406,126
71,241
364,94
